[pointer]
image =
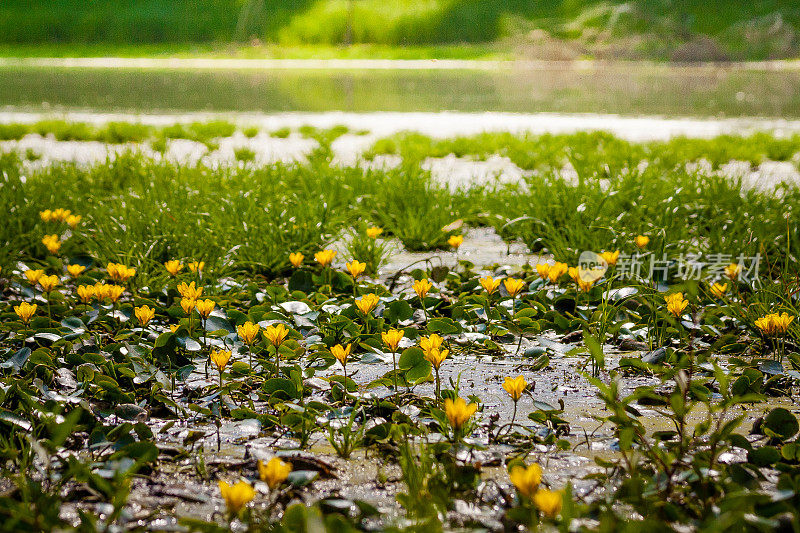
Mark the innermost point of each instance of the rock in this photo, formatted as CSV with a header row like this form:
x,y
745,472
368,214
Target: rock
x,y
295,307
317,384
631,345
130,411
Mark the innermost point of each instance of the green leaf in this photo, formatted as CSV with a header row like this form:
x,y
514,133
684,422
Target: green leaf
x,y
301,280
281,386
595,348
412,362
11,418
780,424
215,323
73,323
398,311
18,360
764,456
445,326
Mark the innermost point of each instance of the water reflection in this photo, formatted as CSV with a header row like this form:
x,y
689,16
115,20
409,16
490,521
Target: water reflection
x,y
620,89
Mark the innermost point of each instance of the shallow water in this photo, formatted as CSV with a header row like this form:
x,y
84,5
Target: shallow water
x,y
627,89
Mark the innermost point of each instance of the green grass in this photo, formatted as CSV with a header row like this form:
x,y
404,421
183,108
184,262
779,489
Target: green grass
x,y
701,212
147,212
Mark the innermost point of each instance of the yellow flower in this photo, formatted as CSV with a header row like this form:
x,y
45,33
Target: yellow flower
x,y
642,240
556,271
356,269
732,271
220,358
489,284
341,353
421,287
25,311
455,241
48,283
774,323
74,220
120,272
325,257
515,386
274,472
113,270
781,322
60,214
513,285
46,215
197,266
276,334
549,502
114,292
585,285
373,232
676,304
543,270
436,357
188,305
434,341
205,307
526,480
33,276
145,314
573,273
719,289
458,412
367,303
52,243
75,270
101,291
85,293
610,257
189,290
248,332
173,266
392,338
765,325
236,496
174,327
296,259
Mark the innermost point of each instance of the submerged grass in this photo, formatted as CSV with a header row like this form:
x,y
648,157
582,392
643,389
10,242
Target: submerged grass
x,y
591,151
117,132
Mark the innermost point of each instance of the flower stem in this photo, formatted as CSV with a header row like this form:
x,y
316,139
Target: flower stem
x,y
394,375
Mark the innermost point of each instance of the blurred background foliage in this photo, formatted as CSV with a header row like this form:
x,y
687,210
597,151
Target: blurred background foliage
x,y
674,29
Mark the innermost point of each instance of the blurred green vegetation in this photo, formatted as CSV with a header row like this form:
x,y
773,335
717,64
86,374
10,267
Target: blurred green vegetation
x,y
676,29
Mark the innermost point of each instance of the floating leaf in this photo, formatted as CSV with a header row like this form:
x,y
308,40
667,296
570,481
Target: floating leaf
x,y
18,360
